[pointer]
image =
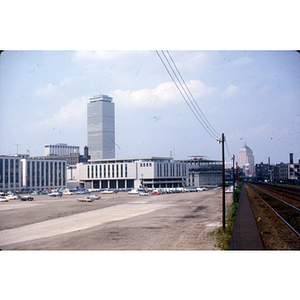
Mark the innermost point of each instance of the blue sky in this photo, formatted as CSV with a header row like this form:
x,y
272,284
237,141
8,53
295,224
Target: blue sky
x,y
250,96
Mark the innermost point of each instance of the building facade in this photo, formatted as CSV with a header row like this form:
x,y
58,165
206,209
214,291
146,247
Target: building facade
x,y
39,174
245,160
149,172
60,149
71,159
204,172
10,173
17,173
101,127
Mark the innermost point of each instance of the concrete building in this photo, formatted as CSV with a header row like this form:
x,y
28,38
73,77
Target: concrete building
x,y
262,171
71,159
10,173
60,149
245,160
283,172
203,171
101,127
39,174
148,172
19,172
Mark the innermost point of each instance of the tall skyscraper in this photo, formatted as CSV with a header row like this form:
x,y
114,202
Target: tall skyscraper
x,y
101,127
246,160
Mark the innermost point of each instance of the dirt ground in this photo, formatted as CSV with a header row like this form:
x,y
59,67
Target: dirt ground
x,y
120,221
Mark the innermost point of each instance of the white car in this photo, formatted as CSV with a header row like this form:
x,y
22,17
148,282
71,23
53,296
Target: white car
x,y
11,197
133,191
85,199
107,192
94,197
3,199
68,193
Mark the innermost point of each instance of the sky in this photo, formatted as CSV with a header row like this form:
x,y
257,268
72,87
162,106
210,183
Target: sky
x,y
250,96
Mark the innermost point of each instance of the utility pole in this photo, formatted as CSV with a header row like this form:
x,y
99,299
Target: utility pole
x,y
233,175
223,178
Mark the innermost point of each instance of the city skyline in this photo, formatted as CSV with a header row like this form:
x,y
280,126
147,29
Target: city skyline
x,y
251,96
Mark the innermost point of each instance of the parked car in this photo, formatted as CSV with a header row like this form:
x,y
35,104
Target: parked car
x,y
11,197
55,194
67,192
133,191
155,192
143,193
107,192
26,198
2,199
94,197
85,199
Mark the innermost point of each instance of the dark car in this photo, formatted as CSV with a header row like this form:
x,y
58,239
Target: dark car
x,y
26,198
55,194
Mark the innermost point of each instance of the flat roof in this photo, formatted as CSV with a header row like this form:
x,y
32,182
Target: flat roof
x,y
150,158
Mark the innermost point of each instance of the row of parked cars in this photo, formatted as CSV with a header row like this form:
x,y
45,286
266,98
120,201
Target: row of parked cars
x,y
146,192
5,197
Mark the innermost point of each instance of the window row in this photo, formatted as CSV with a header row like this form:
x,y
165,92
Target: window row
x,y
40,174
171,170
107,171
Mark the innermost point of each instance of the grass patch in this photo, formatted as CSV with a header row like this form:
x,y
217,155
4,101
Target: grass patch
x,y
223,237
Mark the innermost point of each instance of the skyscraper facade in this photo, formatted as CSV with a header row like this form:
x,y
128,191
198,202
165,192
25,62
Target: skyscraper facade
x,y
101,127
245,160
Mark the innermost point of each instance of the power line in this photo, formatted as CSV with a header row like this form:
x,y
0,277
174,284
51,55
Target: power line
x,y
204,118
183,89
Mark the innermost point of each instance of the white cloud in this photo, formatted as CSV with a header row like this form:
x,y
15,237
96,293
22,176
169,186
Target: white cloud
x,y
165,93
71,115
45,91
230,92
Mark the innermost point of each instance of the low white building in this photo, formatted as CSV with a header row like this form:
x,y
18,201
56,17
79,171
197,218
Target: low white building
x,y
39,174
19,172
10,173
148,172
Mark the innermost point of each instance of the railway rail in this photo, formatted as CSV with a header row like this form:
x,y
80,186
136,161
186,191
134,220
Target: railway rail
x,y
285,191
285,203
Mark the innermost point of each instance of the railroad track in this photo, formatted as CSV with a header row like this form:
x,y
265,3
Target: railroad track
x,y
287,209
285,191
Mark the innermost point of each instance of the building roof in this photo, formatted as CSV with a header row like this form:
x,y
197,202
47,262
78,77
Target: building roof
x,y
246,150
130,159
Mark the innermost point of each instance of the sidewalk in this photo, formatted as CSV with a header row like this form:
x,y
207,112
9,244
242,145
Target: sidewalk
x,y
245,234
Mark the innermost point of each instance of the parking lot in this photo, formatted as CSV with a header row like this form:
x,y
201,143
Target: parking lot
x,y
119,221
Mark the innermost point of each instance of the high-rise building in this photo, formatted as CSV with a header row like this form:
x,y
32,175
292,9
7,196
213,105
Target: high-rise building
x,y
101,127
245,160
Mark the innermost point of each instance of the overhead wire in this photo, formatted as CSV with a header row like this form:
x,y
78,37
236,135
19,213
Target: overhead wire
x,y
201,113
194,107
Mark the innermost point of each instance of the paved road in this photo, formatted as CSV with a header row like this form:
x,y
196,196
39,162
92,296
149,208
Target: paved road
x,y
115,222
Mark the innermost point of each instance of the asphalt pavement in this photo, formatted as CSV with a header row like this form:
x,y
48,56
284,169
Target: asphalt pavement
x,y
180,221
